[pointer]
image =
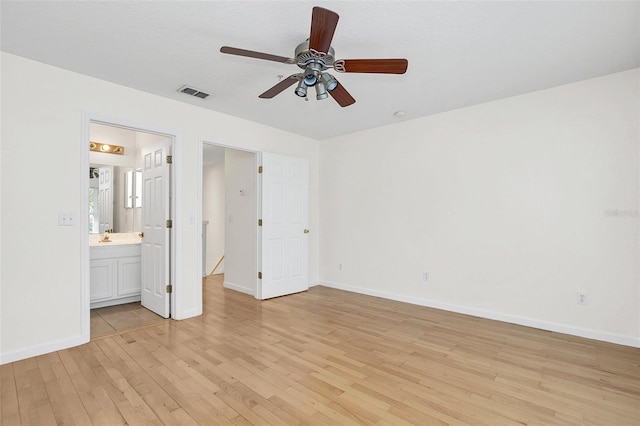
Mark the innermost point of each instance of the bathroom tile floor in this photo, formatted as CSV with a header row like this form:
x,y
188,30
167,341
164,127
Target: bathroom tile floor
x,y
115,319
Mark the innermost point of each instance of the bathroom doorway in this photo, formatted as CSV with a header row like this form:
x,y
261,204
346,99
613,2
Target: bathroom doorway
x,y
130,258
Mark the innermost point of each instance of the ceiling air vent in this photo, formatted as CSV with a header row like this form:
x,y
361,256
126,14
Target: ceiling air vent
x,y
193,92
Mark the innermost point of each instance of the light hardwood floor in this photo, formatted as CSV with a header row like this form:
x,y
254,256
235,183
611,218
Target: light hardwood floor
x,y
326,357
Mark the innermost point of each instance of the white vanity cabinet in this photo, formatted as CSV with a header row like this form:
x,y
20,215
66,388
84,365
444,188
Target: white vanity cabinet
x,y
114,274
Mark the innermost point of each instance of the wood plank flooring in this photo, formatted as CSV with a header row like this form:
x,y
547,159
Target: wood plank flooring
x,y
326,357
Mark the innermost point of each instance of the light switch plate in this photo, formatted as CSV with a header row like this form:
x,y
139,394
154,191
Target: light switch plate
x,y
66,219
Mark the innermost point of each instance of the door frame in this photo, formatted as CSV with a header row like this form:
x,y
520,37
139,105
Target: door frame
x,y
258,177
175,180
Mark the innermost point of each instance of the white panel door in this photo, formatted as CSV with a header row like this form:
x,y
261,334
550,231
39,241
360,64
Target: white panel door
x,y
155,243
285,222
105,198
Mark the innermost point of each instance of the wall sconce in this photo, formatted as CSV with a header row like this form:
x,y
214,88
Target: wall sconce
x,y
106,148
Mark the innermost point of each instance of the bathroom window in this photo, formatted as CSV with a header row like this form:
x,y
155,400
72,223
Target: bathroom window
x,y
133,189
94,220
138,186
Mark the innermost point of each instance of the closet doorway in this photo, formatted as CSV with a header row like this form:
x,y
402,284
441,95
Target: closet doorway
x,y
264,224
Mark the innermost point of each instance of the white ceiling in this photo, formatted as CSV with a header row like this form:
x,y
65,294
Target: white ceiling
x,y
460,53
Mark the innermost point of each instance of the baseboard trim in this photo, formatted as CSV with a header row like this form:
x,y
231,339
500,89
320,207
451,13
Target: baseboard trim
x,y
41,349
120,301
513,319
187,314
241,289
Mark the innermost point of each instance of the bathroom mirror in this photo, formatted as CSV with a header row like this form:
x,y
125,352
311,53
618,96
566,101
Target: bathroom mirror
x,y
115,199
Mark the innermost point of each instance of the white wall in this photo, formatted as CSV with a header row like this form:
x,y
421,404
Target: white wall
x,y
506,205
510,206
240,172
1,210
213,193
42,115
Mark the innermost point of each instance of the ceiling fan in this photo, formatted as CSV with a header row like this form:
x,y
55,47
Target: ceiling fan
x,y
315,56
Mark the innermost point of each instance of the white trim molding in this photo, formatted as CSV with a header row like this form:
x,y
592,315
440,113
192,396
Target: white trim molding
x,y
241,289
42,349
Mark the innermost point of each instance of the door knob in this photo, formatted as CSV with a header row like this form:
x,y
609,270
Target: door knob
x,y
306,231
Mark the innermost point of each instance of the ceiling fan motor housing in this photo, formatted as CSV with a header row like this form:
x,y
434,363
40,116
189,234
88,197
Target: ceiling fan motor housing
x,y
306,56
314,64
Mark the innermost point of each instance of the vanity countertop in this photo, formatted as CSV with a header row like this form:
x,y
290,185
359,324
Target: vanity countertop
x,y
119,238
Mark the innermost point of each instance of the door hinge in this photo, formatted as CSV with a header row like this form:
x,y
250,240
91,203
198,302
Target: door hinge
x,y
169,159
260,169
169,223
259,275
259,222
169,288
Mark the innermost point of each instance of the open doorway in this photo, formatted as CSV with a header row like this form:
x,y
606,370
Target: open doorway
x,y
128,255
229,208
213,210
265,226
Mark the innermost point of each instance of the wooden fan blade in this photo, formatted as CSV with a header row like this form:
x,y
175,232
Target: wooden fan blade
x,y
278,88
342,97
256,55
323,25
378,66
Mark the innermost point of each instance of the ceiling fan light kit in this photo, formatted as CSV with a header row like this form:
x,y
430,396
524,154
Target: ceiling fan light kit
x,y
301,90
315,56
321,91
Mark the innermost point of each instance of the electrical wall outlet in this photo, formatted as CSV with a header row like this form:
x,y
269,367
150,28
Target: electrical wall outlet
x,y
339,266
425,276
581,298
